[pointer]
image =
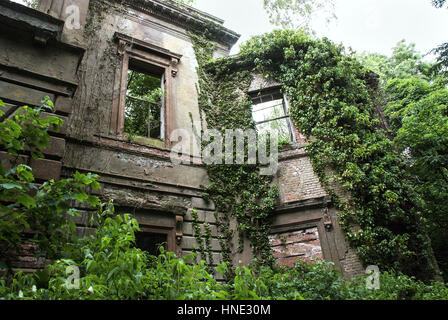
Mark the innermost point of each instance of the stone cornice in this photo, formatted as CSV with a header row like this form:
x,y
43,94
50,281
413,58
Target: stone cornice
x,y
186,17
20,17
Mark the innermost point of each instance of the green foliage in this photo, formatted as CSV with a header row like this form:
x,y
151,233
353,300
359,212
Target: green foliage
x,y
112,268
401,93
144,94
238,191
405,62
41,211
298,14
441,65
419,118
204,240
414,98
332,101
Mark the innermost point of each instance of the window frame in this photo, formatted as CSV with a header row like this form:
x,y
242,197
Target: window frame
x,y
148,56
271,94
168,233
161,106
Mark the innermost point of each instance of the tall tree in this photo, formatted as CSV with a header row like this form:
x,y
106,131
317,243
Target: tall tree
x,y
442,50
298,14
415,103
405,62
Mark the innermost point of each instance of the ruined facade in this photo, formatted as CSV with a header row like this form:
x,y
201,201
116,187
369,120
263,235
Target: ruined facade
x,y
84,70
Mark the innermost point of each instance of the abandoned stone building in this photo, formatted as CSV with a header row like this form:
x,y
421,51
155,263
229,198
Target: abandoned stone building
x,y
87,70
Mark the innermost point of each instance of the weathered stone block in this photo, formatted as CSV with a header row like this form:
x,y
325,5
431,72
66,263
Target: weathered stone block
x,y
63,105
200,203
44,169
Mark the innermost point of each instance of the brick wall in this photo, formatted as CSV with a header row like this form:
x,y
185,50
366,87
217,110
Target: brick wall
x,y
303,244
297,180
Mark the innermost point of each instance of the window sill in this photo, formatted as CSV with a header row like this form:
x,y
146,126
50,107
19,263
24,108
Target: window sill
x,y
145,141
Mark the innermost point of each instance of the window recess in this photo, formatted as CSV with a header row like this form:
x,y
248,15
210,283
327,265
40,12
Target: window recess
x,y
144,109
270,111
144,97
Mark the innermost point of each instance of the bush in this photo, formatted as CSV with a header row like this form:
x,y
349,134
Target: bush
x,y
25,206
112,268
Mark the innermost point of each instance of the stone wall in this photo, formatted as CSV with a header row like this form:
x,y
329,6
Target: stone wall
x,y
85,82
140,176
35,63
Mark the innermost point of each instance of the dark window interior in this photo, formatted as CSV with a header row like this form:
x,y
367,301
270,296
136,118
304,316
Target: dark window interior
x,y
150,242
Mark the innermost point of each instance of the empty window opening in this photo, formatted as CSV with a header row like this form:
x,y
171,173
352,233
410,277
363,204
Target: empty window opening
x,y
151,242
270,112
144,103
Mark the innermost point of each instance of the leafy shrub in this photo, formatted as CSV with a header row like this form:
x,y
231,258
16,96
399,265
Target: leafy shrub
x,y
112,268
25,206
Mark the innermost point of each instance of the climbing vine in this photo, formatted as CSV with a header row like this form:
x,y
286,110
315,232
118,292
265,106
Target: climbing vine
x,y
204,240
332,101
238,191
97,13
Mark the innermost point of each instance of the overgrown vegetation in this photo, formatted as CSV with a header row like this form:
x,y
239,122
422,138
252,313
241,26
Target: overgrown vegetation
x,y
389,192
111,268
238,191
34,214
332,102
415,102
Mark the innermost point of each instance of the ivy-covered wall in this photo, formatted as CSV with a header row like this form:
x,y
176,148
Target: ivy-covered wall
x,y
333,103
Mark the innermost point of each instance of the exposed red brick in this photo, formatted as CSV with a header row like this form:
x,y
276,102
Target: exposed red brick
x,y
291,246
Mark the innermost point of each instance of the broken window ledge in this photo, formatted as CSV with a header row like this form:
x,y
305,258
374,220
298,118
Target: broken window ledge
x,y
145,141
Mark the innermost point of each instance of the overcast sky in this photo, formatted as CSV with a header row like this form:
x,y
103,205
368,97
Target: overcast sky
x,y
363,25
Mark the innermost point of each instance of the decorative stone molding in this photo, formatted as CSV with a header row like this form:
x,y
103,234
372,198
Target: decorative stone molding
x,y
42,26
127,43
179,229
186,17
122,47
327,220
174,63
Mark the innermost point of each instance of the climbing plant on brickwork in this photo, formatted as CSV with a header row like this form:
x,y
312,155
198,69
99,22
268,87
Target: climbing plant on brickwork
x,y
332,102
238,191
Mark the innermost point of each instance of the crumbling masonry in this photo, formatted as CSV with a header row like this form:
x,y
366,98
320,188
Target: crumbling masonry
x,y
84,71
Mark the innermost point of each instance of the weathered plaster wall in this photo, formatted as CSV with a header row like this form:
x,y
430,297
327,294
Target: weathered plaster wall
x,y
34,63
142,179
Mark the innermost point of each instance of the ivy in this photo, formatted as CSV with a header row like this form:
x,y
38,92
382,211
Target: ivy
x,y
238,191
332,101
204,240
